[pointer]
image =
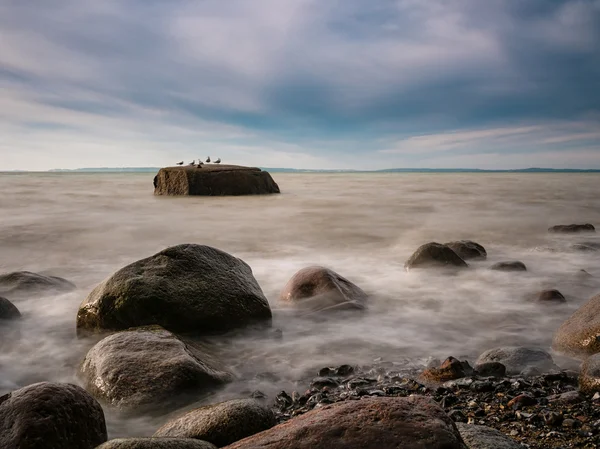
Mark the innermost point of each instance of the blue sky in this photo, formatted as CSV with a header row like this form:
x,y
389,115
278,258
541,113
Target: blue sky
x,y
300,83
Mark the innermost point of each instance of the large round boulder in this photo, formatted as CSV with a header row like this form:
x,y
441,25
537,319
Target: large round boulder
x,y
187,288
8,311
50,416
149,369
467,249
20,283
370,423
156,443
432,255
589,378
318,288
572,228
484,437
221,424
517,358
579,335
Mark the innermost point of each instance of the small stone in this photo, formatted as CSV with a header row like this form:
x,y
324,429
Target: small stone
x,y
324,382
553,418
257,394
490,369
344,370
523,400
573,423
451,369
457,416
513,265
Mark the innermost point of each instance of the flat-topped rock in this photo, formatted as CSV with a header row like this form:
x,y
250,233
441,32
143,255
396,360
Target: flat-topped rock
x,y
213,180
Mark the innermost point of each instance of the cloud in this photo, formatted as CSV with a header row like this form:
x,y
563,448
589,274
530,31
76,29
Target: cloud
x,y
334,80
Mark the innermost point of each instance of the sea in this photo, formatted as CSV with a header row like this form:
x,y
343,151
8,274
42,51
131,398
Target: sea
x,y
85,226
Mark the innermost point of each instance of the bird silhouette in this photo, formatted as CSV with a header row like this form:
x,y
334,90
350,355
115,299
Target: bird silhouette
x,y
208,159
193,162
218,161
180,163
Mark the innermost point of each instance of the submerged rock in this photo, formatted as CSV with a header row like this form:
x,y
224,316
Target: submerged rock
x,y
589,378
431,255
552,295
221,424
512,265
451,369
517,358
25,282
156,443
579,335
51,415
467,249
587,247
484,437
572,228
213,180
8,311
371,423
318,289
188,288
149,369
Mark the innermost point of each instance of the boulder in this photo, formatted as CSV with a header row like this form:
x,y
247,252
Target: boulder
x,y
579,335
186,288
51,415
318,288
484,437
213,180
512,265
518,358
156,443
8,311
451,369
370,423
572,228
467,249
149,369
589,378
490,369
20,283
221,424
432,255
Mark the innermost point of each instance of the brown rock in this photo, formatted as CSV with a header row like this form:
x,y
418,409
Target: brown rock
x,y
156,443
579,335
371,423
467,249
572,228
523,400
589,378
213,180
318,288
431,255
490,369
451,369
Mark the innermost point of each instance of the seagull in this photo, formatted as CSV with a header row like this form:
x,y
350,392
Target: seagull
x,y
208,159
180,163
218,161
193,162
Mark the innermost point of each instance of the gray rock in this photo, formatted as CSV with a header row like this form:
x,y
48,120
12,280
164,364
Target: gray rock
x,y
490,369
8,311
588,247
156,443
516,358
319,289
484,437
50,416
512,265
568,398
187,288
467,249
221,424
434,255
20,283
589,378
551,295
149,369
579,335
572,228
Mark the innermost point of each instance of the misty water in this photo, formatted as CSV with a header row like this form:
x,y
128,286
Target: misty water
x,y
83,227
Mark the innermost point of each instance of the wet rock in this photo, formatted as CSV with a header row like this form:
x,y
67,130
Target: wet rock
x,y
589,378
513,265
567,398
483,437
516,358
490,369
522,400
51,415
317,288
324,382
149,369
156,443
187,288
8,311
221,424
467,249
434,255
587,247
214,180
369,423
572,228
552,295
579,335
21,283
451,369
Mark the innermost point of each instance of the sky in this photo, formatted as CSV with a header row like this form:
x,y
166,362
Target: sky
x,y
331,84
